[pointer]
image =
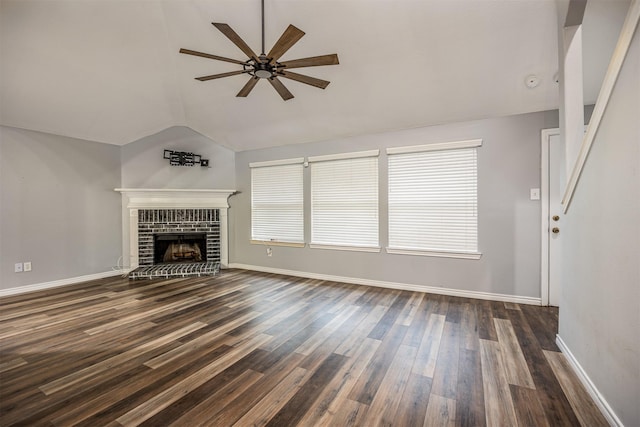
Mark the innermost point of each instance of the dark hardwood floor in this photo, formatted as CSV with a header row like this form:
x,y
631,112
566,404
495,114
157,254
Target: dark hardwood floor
x,y
247,348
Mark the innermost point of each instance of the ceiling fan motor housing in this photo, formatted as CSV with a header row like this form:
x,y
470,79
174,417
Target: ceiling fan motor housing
x,y
263,69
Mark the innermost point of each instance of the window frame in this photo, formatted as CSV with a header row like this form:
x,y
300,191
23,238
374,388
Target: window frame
x,y
434,252
276,163
316,160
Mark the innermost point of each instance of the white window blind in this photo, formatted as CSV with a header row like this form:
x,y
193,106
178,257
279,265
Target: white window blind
x,y
277,209
344,201
433,201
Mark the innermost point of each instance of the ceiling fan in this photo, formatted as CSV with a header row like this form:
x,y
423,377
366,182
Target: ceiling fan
x,y
266,66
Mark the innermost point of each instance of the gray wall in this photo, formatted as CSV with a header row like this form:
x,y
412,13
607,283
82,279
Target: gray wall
x,y
57,207
600,303
144,167
509,223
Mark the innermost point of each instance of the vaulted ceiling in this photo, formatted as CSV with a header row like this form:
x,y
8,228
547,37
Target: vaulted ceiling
x,y
110,71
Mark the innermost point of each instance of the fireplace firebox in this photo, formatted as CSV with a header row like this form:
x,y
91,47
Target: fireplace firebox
x,y
179,247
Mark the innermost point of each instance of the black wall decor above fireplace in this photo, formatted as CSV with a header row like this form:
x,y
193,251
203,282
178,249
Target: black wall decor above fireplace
x,y
184,158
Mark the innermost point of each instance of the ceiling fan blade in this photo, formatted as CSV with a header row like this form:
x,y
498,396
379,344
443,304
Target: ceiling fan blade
x,y
248,87
280,88
305,79
290,36
235,38
313,61
207,55
218,76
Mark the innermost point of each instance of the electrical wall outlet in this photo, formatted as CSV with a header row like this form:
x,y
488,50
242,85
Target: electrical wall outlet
x,y
269,252
17,268
26,266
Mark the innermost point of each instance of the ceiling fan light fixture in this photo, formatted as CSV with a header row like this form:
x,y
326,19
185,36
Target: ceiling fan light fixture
x,y
266,66
263,74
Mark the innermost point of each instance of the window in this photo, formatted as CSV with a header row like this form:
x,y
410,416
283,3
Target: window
x,y
344,201
433,201
277,209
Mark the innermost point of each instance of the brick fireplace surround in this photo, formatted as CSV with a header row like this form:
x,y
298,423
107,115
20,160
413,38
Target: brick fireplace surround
x,y
173,209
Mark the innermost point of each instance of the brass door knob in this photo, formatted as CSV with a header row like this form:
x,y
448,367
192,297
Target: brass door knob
x,y
556,218
555,230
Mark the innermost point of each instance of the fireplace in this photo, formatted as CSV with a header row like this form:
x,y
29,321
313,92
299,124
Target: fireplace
x,y
149,212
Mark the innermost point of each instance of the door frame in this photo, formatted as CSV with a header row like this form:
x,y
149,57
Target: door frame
x,y
545,136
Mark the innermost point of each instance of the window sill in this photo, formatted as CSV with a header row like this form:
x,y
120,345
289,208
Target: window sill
x,y
277,243
459,255
375,249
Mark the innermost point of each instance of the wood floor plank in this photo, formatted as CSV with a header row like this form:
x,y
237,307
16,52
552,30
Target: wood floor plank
x,y
441,412
486,327
499,408
230,413
265,409
470,405
367,385
470,338
7,365
212,405
584,408
412,408
350,414
528,409
427,356
303,399
555,404
517,371
445,375
250,348
361,332
109,364
336,392
325,332
384,405
164,399
387,321
411,309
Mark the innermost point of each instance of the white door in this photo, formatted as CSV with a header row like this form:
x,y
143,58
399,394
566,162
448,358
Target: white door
x,y
553,183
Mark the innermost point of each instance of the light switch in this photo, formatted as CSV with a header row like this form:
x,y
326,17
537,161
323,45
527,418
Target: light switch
x,y
534,194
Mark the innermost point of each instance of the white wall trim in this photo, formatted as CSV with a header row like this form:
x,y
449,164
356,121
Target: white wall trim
x,y
284,162
393,285
471,143
544,213
344,156
375,249
439,254
617,59
597,397
57,283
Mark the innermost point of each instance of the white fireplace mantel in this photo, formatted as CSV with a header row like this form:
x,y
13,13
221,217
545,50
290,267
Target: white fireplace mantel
x,y
156,198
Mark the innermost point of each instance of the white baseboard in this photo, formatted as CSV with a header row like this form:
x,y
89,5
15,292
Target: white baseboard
x,y
57,283
393,285
597,397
